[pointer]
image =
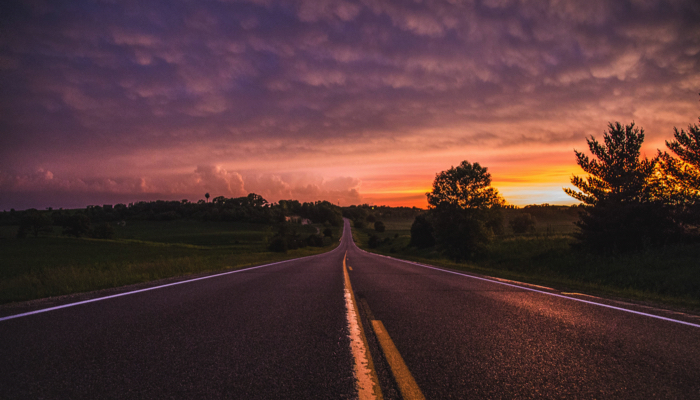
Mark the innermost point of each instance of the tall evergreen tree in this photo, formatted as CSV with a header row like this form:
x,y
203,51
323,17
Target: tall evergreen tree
x,y
679,182
621,211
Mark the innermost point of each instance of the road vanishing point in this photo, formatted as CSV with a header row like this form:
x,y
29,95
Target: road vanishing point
x,y
348,324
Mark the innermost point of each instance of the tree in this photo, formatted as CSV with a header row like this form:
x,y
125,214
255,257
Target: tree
x,y
379,226
522,223
422,232
464,210
76,225
373,242
36,222
680,182
467,186
621,212
207,196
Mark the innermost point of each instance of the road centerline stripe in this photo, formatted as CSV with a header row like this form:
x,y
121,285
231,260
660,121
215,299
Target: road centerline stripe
x,y
366,381
407,385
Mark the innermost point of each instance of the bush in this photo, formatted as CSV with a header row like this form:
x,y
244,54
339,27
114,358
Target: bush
x,y
462,233
76,225
523,223
379,226
328,232
422,232
314,240
359,224
103,231
374,242
278,244
36,222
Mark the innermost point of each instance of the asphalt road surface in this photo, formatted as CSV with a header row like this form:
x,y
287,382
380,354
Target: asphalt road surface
x,y
281,331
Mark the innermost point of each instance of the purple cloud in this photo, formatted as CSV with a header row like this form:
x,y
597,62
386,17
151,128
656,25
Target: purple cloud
x,y
119,92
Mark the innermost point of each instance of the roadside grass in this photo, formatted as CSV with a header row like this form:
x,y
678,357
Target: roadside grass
x,y
141,251
669,275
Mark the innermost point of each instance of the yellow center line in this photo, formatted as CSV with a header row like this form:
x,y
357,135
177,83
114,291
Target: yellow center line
x,y
407,385
366,381
350,268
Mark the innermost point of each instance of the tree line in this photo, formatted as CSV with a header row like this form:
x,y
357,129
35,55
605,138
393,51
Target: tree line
x,y
628,202
99,221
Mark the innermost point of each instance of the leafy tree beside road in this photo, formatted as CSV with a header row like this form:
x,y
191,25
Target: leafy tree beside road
x,y
464,212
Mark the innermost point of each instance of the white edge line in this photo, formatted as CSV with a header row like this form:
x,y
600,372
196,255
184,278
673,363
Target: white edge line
x,y
43,310
541,291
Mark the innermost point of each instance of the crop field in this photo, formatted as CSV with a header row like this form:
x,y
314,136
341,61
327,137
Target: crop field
x,y
141,251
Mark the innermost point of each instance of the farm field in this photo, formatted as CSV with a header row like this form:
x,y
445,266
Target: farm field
x,y
141,251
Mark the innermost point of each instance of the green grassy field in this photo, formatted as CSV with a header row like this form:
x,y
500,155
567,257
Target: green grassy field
x,y
141,251
669,275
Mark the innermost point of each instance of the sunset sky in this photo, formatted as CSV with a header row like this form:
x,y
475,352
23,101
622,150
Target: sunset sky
x,y
103,102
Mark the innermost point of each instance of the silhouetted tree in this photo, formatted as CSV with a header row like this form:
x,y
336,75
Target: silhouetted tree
x,y
379,226
422,232
621,212
207,196
522,223
314,240
680,179
36,222
102,231
328,232
374,242
76,225
464,210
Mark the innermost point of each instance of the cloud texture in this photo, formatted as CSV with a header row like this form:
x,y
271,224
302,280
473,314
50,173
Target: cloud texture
x,y
321,99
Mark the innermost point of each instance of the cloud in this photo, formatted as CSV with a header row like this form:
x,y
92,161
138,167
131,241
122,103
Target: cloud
x,y
266,87
218,180
212,179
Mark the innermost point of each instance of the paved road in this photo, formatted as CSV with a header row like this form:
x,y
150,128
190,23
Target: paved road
x,y
280,331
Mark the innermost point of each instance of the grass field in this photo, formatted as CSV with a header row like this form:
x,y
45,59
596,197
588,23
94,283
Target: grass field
x,y
141,251
668,275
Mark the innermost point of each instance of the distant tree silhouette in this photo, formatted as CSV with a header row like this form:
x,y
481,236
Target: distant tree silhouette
x,y
422,232
379,226
102,231
374,242
523,223
207,196
76,225
36,222
621,210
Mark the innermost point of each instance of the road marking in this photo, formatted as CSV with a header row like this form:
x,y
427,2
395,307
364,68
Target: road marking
x,y
350,268
43,310
407,385
541,291
366,381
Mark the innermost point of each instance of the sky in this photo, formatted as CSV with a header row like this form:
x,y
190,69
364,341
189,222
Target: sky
x,y
105,102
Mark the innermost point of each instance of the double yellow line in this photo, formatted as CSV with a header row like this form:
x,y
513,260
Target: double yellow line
x,y
366,380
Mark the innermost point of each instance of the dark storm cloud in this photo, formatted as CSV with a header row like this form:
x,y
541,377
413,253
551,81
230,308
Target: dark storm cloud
x,y
88,86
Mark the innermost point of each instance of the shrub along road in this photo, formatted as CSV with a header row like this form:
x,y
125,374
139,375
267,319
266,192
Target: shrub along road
x,y
280,331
